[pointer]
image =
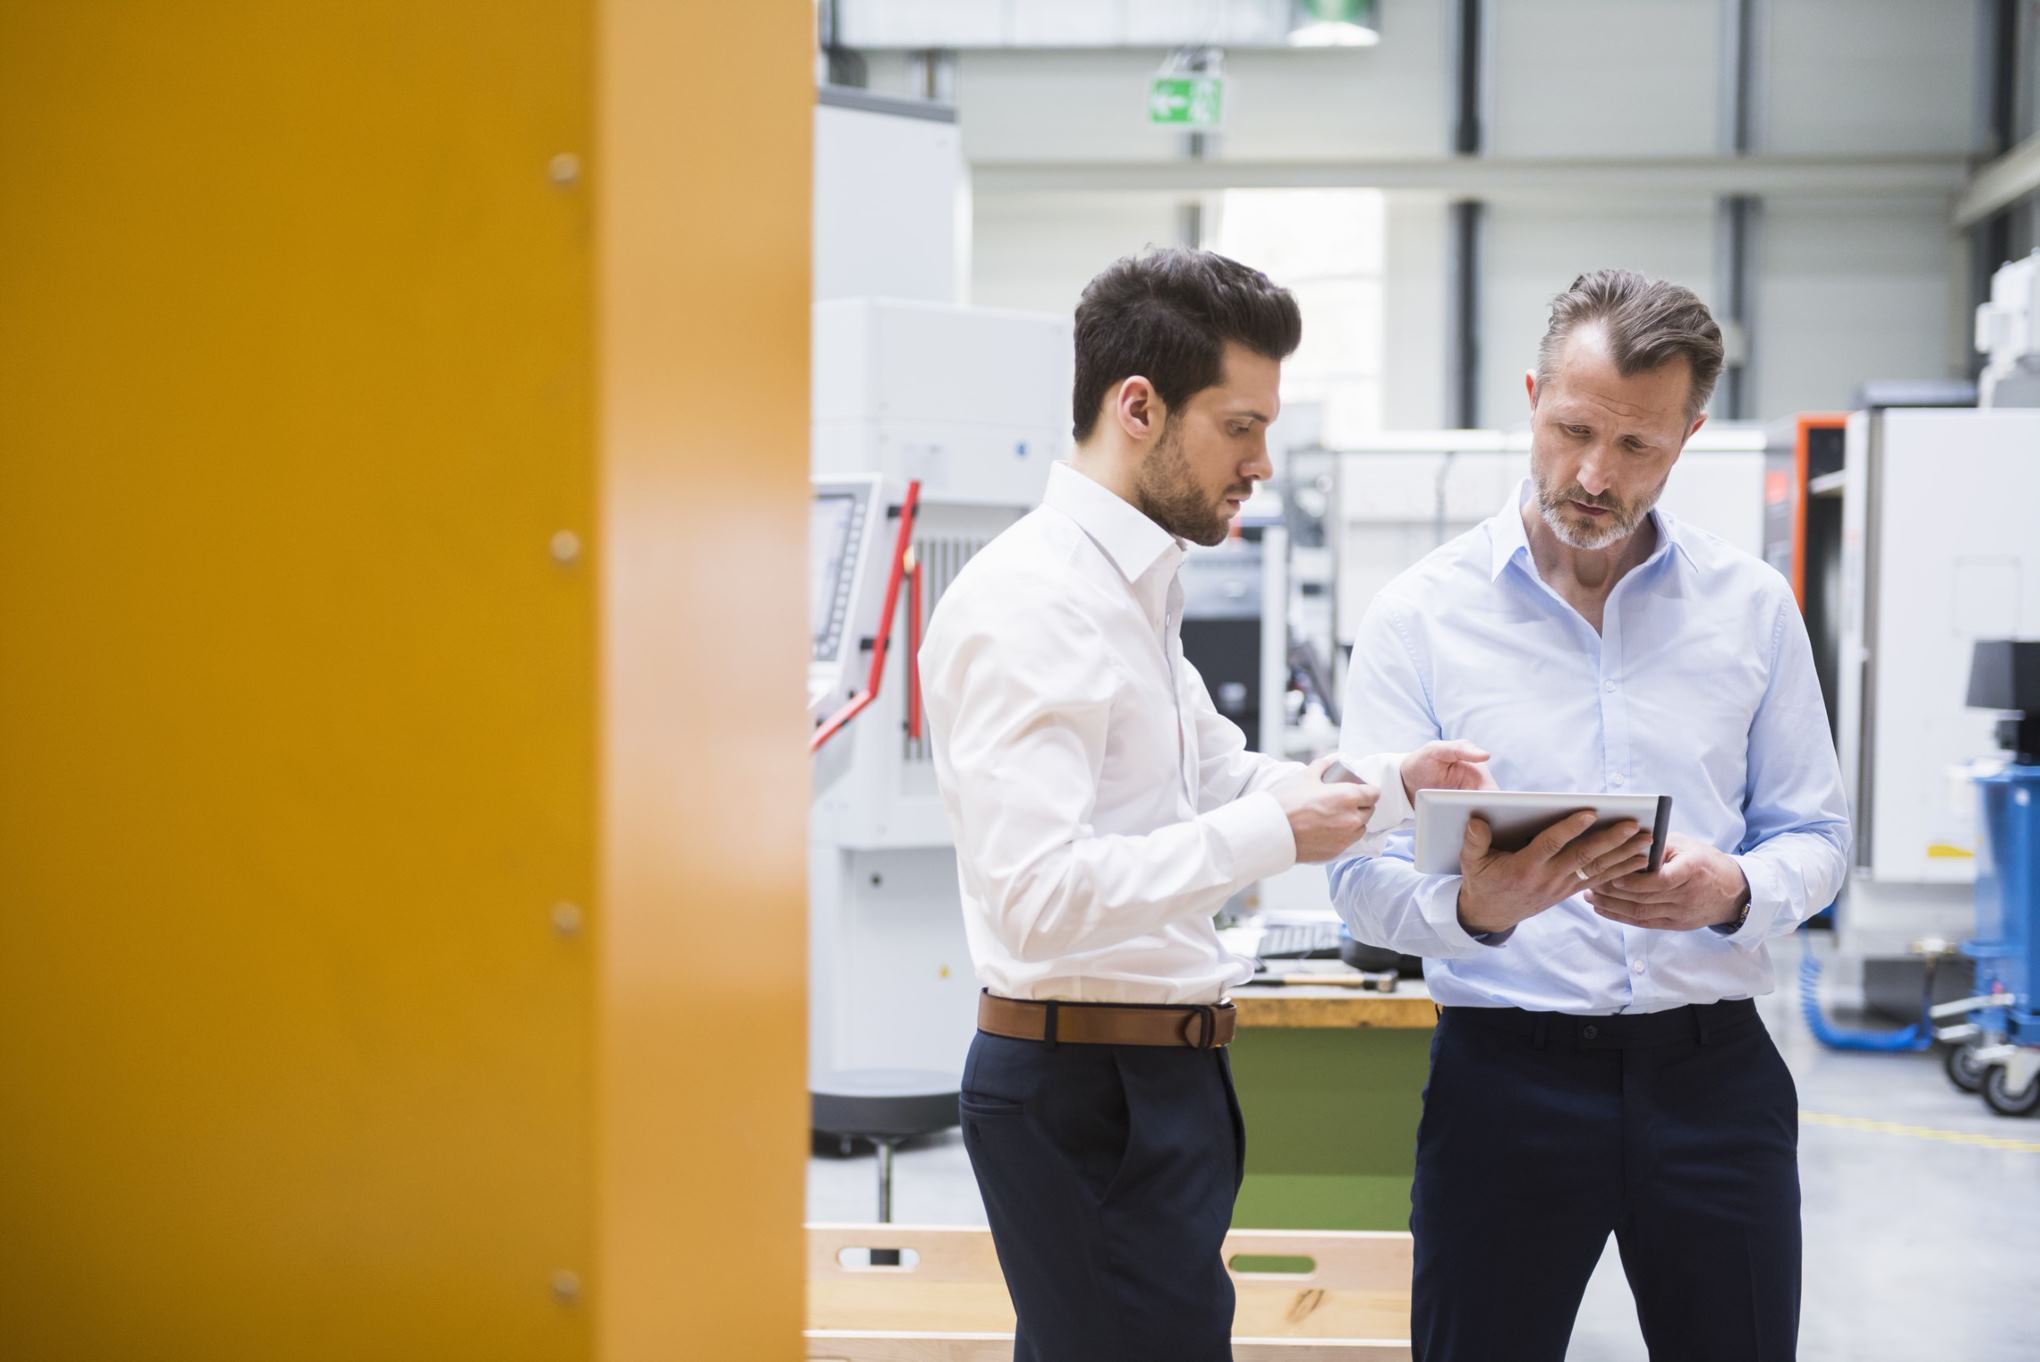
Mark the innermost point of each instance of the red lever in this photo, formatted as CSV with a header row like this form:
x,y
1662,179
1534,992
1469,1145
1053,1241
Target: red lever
x,y
902,543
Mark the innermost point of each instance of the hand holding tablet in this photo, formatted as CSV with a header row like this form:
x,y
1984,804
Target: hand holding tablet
x,y
1521,852
1515,817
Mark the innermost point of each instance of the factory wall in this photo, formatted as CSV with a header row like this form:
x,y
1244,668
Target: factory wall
x,y
1577,78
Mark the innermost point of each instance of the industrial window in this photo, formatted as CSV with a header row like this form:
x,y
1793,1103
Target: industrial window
x,y
1325,246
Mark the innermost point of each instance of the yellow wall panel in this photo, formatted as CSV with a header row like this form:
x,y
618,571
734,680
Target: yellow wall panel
x,y
298,738
703,191
310,350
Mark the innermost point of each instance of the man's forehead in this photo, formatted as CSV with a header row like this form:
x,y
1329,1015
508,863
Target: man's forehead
x,y
1615,401
1586,377
1248,383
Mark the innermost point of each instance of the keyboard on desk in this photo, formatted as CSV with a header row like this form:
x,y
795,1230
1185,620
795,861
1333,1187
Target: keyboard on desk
x,y
1301,941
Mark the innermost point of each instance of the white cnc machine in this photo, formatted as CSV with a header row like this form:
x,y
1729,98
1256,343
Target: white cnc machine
x,y
934,428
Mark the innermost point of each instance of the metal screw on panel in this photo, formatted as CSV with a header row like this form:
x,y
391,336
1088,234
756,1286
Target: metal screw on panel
x,y
566,1287
566,548
565,169
566,919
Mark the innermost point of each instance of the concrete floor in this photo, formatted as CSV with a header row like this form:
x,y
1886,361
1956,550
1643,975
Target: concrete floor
x,y
1918,1246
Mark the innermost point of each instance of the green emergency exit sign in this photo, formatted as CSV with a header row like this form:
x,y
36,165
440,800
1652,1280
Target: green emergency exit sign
x,y
1195,102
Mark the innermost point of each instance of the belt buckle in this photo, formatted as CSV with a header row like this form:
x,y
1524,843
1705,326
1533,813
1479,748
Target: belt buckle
x,y
1207,1031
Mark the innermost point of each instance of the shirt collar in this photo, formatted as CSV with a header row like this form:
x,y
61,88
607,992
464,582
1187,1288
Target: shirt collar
x,y
1505,532
1133,542
1507,539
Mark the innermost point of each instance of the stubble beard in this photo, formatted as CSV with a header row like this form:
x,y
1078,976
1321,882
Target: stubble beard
x,y
1168,493
1563,521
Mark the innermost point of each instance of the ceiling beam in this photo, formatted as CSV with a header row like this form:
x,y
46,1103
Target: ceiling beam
x,y
1501,177
2000,184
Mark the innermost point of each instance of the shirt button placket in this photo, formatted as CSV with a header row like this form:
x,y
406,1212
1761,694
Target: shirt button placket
x,y
1614,718
1613,743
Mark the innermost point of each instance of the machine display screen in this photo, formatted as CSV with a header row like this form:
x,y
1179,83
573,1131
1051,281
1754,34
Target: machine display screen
x,y
829,542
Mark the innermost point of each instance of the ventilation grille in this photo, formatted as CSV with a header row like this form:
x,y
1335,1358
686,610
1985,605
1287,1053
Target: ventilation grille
x,y
940,559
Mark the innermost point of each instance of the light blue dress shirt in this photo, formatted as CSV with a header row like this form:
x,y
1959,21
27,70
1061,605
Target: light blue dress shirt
x,y
1700,686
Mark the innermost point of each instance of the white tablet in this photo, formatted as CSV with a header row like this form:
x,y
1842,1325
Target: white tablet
x,y
1519,815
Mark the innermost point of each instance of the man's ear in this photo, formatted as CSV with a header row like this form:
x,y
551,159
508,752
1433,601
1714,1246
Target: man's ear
x,y
1691,431
1138,409
1530,386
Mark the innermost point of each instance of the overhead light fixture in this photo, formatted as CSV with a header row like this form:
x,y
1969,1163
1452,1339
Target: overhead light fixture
x,y
1334,23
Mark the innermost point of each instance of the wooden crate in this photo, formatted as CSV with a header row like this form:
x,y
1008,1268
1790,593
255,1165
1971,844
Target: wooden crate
x,y
950,1303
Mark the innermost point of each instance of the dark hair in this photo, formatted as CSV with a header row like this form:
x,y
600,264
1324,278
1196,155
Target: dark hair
x,y
1166,316
1649,323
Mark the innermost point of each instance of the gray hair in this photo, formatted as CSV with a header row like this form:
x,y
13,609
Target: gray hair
x,y
1649,323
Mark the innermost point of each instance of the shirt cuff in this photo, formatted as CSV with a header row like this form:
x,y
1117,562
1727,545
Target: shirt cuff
x,y
1383,771
1767,900
1256,832
1438,901
1391,809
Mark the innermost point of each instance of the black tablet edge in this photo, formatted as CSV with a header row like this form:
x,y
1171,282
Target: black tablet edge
x,y
1659,831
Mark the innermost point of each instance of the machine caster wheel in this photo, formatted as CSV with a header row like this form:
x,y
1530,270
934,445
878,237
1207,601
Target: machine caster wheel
x,y
1962,1069
2000,1098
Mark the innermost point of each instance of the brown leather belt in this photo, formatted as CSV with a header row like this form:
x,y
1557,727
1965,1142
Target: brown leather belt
x,y
1200,1026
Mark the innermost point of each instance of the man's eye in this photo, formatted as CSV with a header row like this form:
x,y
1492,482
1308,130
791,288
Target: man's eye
x,y
1580,431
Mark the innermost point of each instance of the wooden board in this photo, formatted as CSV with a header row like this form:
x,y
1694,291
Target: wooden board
x,y
1321,1006
846,1345
951,1297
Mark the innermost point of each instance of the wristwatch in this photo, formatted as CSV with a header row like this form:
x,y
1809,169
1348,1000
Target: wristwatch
x,y
1742,913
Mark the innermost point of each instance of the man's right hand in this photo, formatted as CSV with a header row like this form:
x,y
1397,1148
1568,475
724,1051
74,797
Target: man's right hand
x,y
1503,888
1325,819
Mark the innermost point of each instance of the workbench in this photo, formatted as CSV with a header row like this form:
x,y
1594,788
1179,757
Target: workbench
x,y
1330,1081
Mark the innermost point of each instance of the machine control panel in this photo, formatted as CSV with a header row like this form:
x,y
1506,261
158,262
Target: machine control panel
x,y
835,533
849,532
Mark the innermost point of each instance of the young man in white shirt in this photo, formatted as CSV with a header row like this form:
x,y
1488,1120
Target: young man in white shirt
x,y
1104,811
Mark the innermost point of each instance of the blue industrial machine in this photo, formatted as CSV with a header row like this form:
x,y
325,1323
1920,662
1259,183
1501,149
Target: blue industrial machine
x,y
1995,1049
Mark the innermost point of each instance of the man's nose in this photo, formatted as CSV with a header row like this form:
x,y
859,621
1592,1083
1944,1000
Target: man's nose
x,y
1260,467
1594,476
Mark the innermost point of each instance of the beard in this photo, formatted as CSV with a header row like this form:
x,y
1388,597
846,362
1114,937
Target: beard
x,y
1168,493
1579,532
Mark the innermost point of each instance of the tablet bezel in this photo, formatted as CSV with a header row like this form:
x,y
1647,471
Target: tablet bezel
x,y
1519,815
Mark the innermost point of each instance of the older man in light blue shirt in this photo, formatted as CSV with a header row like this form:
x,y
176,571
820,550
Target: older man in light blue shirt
x,y
1598,1067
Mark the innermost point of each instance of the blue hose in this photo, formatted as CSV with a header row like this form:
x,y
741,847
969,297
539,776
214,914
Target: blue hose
x,y
1905,1038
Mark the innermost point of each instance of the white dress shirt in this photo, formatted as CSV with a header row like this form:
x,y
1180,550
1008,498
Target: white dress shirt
x,y
1699,685
1103,809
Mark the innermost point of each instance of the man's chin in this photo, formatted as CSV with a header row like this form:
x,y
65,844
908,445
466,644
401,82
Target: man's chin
x,y
1582,533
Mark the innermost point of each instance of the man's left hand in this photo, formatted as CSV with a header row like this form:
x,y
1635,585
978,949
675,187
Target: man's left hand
x,y
1446,766
1696,886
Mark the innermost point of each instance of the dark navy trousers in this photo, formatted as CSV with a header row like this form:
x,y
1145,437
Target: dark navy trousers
x,y
1544,1133
1108,1174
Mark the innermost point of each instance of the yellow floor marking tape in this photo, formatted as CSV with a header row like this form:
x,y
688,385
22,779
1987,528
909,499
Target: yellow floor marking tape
x,y
1819,1118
